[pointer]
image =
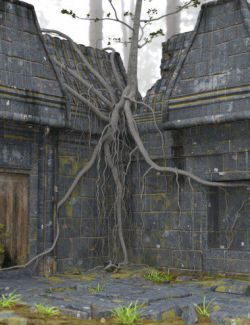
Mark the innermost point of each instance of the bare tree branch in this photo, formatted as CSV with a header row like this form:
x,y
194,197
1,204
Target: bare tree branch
x,y
187,5
106,18
115,12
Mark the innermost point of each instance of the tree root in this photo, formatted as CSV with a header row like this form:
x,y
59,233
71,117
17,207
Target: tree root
x,y
120,129
176,171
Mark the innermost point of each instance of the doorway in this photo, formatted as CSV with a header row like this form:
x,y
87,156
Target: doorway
x,y
14,217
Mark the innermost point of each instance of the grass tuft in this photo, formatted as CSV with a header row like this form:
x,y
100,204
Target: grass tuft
x,y
94,290
127,315
46,310
9,300
158,277
205,308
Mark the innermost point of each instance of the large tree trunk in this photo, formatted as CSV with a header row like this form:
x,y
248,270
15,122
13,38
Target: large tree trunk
x,y
95,28
173,21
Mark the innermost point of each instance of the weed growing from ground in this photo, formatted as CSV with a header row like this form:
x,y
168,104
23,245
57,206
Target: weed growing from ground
x,y
9,300
205,308
93,290
46,310
127,315
158,277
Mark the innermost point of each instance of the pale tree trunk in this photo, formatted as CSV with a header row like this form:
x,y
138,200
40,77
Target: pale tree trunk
x,y
133,53
125,33
173,21
124,36
95,28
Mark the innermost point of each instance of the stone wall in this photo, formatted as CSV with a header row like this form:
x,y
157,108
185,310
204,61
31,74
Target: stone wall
x,y
50,160
183,225
172,222
212,76
47,138
187,230
203,98
83,241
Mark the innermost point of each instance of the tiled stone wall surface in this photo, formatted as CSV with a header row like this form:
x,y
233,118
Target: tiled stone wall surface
x,y
31,92
83,241
172,222
218,58
219,53
204,74
22,53
184,225
29,87
51,161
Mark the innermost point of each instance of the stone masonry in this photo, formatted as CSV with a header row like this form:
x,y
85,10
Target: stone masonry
x,y
201,105
203,100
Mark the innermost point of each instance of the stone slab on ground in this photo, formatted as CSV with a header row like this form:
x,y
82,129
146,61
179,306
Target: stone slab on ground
x,y
11,318
189,315
72,297
237,289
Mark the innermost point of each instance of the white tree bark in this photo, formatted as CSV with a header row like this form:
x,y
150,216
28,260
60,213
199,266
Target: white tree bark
x,y
95,28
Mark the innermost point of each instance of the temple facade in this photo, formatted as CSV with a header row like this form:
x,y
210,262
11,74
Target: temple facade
x,y
202,104
201,107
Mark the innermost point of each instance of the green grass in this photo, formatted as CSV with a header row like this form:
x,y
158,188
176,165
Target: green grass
x,y
205,308
9,300
93,290
127,315
158,277
46,310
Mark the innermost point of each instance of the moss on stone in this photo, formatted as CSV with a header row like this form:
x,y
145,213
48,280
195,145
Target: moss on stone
x,y
168,315
54,279
211,283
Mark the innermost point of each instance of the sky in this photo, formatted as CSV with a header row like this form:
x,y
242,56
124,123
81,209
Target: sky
x,y
49,16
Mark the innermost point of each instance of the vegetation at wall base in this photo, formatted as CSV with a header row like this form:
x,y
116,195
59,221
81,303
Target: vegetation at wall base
x,y
48,311
9,300
94,290
158,276
127,315
205,308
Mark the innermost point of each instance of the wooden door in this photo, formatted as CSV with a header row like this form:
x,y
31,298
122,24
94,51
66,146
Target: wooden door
x,y
14,216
